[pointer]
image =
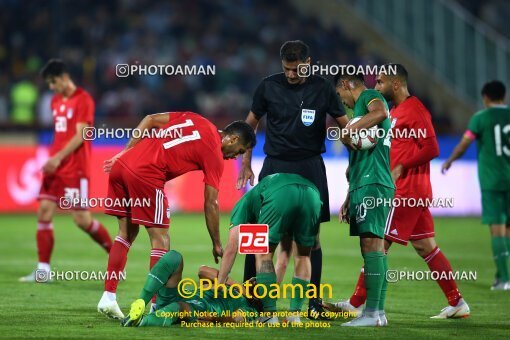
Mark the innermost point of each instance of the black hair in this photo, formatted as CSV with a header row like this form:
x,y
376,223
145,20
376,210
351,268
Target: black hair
x,y
244,131
294,50
53,68
359,78
494,90
401,72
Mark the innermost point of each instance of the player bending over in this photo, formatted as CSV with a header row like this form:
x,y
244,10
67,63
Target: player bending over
x,y
163,281
290,205
491,129
410,163
369,176
184,142
66,174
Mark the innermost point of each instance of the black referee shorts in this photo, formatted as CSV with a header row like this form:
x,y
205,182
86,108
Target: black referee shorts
x,y
313,169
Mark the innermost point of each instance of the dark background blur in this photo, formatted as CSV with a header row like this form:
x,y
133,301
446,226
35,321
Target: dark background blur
x,y
242,38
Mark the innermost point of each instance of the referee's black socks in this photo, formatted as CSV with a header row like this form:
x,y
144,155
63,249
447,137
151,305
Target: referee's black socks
x,y
316,260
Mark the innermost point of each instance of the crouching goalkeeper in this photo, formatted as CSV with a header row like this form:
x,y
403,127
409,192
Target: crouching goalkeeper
x,y
172,307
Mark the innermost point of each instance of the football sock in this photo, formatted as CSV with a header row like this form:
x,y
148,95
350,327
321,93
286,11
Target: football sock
x,y
315,279
300,288
500,253
360,293
116,262
99,234
249,267
438,263
384,287
156,254
45,241
166,317
374,277
159,274
267,279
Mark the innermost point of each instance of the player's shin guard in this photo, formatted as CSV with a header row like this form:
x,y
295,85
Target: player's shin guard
x,y
116,263
156,254
384,287
316,261
438,263
99,234
300,288
374,277
45,241
267,279
163,317
160,274
360,293
500,253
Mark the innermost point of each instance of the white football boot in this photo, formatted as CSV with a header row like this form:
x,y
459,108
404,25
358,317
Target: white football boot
x,y
454,312
365,320
108,306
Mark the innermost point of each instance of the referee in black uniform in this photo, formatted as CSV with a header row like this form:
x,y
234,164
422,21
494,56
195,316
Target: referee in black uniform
x,y
296,108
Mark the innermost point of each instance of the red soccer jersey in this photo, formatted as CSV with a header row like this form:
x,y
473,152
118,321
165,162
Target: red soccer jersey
x,y
67,112
187,142
412,120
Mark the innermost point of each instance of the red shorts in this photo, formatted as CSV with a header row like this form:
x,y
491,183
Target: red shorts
x,y
147,202
409,223
67,192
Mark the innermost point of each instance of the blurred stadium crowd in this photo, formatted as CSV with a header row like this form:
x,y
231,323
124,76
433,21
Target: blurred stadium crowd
x,y
241,40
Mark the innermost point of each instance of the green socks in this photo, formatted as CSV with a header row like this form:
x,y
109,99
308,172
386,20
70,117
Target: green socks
x,y
160,274
374,279
164,317
300,288
384,287
500,253
267,279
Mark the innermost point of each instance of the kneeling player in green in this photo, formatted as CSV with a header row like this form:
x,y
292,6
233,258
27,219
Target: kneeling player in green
x,y
290,205
369,180
164,279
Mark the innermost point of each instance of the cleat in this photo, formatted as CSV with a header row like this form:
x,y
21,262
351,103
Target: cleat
x,y
384,320
500,285
273,320
109,307
316,310
135,314
454,312
293,320
343,306
38,275
364,320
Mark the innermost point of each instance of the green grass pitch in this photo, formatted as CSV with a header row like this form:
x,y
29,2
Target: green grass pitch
x,y
68,309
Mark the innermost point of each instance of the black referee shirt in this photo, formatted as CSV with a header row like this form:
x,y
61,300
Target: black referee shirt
x,y
296,115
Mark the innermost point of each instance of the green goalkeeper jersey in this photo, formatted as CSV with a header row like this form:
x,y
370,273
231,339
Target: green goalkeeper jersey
x,y
371,166
492,130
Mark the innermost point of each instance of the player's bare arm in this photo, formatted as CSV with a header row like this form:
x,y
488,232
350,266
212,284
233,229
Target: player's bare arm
x,y
152,121
246,174
229,255
457,153
212,219
53,163
376,113
344,210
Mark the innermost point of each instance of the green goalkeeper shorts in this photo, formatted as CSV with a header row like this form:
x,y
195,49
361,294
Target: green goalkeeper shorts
x,y
292,210
364,214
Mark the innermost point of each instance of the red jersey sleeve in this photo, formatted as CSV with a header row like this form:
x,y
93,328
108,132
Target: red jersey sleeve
x,y
212,166
421,124
85,110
